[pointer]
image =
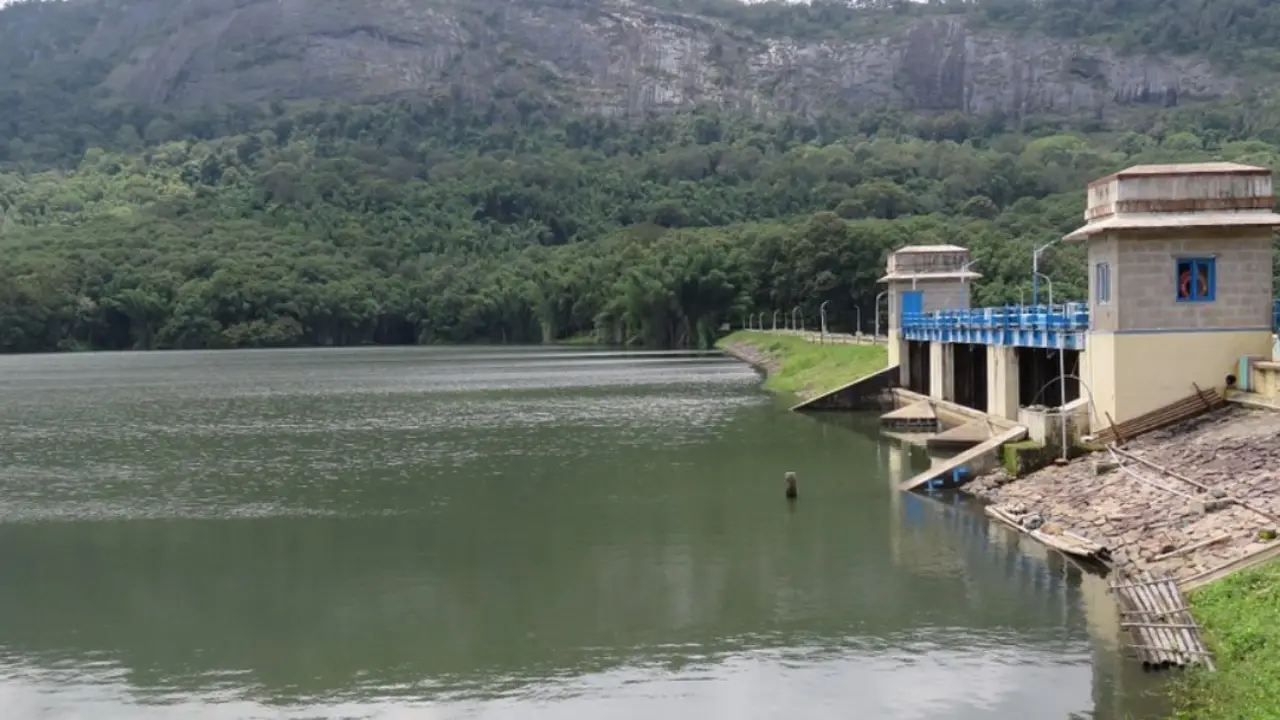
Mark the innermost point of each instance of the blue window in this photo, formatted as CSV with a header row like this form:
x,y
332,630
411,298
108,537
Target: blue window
x,y
1196,280
1102,283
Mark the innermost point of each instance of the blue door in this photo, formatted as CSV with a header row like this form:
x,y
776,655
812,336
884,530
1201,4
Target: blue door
x,y
912,302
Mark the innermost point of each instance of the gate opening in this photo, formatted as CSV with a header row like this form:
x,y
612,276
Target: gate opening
x,y
1038,381
969,381
918,367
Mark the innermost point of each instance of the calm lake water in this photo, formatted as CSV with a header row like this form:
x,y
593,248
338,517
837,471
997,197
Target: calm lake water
x,y
503,533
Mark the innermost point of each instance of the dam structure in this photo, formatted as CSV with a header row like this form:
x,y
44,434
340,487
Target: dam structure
x,y
1180,303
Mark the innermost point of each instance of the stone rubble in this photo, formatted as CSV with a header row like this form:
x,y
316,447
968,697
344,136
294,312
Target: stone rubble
x,y
1234,451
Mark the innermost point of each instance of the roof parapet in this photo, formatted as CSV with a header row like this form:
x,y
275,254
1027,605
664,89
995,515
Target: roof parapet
x,y
1216,194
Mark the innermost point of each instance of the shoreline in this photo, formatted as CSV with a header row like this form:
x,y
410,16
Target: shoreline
x,y
795,366
1209,538
1151,520
759,360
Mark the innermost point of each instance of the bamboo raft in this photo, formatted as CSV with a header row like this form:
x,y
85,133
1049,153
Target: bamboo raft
x,y
1064,541
1161,630
1201,402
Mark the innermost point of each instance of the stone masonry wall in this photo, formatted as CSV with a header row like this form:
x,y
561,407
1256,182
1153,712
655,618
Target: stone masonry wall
x,y
945,295
1145,276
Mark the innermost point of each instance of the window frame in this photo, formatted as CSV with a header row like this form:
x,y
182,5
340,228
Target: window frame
x,y
1102,283
1193,265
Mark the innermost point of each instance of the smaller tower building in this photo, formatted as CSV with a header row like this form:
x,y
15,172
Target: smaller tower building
x,y
922,279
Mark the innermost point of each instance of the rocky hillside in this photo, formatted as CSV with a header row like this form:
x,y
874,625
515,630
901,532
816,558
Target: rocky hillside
x,y
613,57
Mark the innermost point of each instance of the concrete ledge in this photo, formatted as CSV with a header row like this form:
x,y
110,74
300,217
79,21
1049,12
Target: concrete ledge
x,y
951,414
969,463
918,416
1217,573
963,437
1253,400
864,393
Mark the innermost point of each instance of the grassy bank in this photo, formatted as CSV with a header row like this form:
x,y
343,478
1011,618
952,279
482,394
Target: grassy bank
x,y
1241,618
803,368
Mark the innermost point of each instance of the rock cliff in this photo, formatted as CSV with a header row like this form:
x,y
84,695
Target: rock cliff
x,y
614,57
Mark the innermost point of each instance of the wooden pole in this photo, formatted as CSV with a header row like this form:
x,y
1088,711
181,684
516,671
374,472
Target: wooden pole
x,y
1158,638
1200,394
1114,430
1115,450
1189,481
1191,643
1191,548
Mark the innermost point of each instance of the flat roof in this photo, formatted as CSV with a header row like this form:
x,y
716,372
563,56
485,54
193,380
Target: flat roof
x,y
1144,221
931,249
923,276
1205,168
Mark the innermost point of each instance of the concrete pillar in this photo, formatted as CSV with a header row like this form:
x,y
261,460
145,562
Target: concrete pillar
x,y
1002,381
898,355
941,371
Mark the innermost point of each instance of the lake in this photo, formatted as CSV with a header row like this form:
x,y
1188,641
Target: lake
x,y
504,533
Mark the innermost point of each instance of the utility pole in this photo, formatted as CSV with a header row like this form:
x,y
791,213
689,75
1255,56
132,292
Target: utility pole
x,y
1035,270
1062,390
882,294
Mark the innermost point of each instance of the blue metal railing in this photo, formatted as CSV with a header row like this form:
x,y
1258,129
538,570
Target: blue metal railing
x,y
1072,317
1021,325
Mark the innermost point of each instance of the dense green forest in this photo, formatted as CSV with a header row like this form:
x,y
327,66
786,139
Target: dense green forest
x,y
434,220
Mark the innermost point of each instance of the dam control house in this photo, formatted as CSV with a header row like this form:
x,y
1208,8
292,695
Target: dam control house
x,y
1180,297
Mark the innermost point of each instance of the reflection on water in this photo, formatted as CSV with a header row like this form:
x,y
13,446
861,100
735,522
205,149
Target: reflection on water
x,y
501,533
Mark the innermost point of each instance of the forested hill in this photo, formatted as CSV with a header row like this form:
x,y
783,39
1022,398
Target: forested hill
x,y
509,195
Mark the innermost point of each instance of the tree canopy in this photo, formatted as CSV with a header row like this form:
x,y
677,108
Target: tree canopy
x,y
437,220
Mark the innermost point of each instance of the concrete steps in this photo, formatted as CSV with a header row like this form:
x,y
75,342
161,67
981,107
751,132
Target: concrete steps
x,y
916,416
962,437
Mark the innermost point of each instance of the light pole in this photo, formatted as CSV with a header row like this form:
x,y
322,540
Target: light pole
x,y
795,310
1035,270
859,309
882,294
1048,282
822,317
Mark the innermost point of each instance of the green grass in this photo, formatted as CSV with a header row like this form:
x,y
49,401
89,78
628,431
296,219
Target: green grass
x,y
1241,618
807,369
